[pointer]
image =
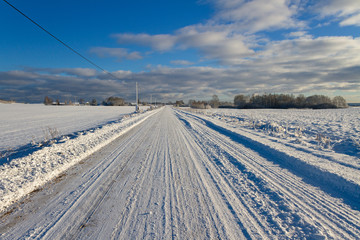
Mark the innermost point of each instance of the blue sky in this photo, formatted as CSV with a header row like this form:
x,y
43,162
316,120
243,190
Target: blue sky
x,y
180,49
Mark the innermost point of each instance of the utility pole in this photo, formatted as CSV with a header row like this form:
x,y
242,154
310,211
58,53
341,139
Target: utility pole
x,y
137,99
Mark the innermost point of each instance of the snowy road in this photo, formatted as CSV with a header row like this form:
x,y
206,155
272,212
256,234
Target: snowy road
x,y
175,177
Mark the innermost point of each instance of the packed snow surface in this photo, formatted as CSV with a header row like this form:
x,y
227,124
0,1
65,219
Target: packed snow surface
x,y
22,175
175,174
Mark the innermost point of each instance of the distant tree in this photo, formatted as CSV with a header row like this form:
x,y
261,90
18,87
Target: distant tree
x,y
114,101
340,102
319,101
288,101
81,101
179,103
48,101
240,101
226,104
93,102
300,101
199,104
215,102
57,102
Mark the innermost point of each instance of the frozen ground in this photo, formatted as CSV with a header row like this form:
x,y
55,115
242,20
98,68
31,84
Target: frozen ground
x,y
22,124
335,130
173,174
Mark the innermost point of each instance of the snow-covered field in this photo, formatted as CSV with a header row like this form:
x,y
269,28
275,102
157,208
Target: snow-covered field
x,y
335,130
22,124
41,163
183,174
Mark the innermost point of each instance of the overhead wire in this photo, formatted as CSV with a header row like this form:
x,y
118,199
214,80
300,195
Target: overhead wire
x,y
60,41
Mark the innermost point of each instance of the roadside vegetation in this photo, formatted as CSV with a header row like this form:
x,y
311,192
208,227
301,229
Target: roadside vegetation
x,y
110,101
285,101
275,101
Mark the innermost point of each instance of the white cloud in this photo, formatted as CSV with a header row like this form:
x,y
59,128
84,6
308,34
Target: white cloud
x,y
257,15
298,34
298,64
181,62
347,11
81,72
323,53
227,37
160,42
86,72
222,44
337,7
119,53
352,20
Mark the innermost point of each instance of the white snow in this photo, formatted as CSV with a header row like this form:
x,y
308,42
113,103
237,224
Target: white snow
x,y
177,174
22,175
335,130
302,152
21,124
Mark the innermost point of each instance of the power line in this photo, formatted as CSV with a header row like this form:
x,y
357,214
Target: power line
x,y
57,39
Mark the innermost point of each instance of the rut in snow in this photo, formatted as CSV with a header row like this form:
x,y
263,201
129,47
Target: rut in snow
x,y
174,177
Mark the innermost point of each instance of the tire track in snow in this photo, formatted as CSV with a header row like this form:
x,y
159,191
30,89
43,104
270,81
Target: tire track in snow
x,y
248,222
101,198
95,195
187,214
125,224
193,207
61,219
191,194
319,209
166,179
341,216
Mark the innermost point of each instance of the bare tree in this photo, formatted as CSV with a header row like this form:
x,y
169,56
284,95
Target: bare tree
x,y
240,101
179,103
340,102
114,101
215,102
288,101
48,101
93,102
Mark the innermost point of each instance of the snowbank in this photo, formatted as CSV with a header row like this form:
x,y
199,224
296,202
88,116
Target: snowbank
x,y
334,130
24,175
340,171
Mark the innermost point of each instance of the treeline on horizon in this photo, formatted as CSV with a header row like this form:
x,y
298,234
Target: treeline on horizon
x,y
284,101
279,101
111,101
